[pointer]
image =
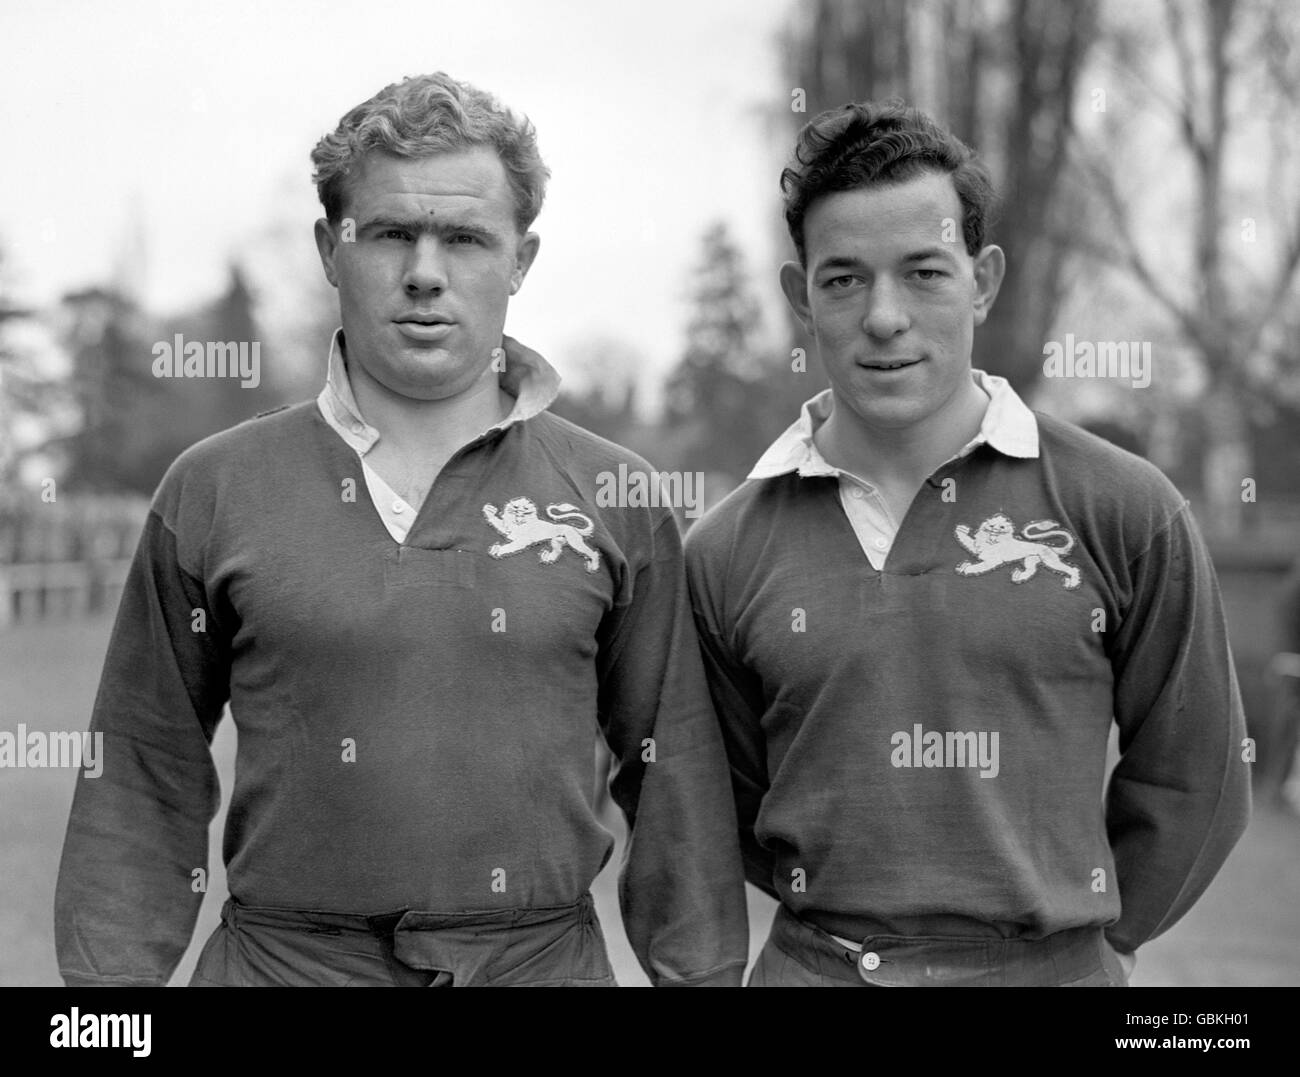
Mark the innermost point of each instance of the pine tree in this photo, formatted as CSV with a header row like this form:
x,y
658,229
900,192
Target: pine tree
x,y
714,396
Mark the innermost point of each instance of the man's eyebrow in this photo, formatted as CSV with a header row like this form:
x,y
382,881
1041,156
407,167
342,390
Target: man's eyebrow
x,y
428,225
921,254
839,261
926,253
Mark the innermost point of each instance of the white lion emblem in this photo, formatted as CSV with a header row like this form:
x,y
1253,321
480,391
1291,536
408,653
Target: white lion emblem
x,y
519,524
995,544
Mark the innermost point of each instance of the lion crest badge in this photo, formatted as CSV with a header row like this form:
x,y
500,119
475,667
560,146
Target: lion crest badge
x,y
995,543
521,527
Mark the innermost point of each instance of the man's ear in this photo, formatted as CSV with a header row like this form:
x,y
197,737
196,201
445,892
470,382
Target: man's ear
x,y
326,246
525,252
794,282
990,267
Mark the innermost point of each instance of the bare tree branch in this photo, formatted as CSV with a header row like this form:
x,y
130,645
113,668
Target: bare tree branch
x,y
1187,69
1129,254
1281,288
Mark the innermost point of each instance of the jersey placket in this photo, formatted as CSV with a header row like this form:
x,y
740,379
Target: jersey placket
x,y
870,518
444,520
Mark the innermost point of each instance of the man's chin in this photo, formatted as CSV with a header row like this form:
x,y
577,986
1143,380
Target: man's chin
x,y
894,413
426,351
443,379
429,363
431,391
440,361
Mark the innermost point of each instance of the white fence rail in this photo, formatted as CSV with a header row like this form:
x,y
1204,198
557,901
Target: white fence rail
x,y
66,558
49,589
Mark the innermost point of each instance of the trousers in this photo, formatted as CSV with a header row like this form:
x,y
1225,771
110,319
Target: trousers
x,y
799,954
556,946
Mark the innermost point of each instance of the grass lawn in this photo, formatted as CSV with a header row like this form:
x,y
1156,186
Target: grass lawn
x,y
1244,931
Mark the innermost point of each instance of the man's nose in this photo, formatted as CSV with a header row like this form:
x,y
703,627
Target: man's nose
x,y
886,311
426,268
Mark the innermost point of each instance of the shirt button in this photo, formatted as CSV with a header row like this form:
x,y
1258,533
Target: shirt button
x,y
857,493
881,544
399,505
357,428
871,961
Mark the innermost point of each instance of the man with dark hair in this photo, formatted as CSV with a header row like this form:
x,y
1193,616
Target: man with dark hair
x,y
925,608
421,619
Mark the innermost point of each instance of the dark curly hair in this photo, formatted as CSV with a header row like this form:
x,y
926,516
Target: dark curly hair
x,y
863,144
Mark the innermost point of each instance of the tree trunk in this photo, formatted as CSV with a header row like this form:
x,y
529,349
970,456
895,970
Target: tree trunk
x,y
1228,462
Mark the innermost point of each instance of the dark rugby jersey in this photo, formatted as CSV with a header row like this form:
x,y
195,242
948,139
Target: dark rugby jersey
x,y
415,721
920,749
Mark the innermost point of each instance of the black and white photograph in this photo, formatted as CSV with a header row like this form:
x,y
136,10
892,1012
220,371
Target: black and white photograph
x,y
742,493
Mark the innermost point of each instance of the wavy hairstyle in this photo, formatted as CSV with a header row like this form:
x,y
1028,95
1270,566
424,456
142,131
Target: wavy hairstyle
x,y
424,115
859,145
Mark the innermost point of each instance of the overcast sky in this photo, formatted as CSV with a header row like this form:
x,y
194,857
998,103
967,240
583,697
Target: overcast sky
x,y
191,124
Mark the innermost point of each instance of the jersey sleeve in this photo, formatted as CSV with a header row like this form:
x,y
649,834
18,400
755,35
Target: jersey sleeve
x,y
1179,798
681,887
738,701
126,899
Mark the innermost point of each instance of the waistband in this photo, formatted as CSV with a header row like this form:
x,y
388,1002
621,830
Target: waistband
x,y
465,944
942,960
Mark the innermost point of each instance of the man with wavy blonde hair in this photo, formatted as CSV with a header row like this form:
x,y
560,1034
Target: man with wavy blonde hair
x,y
416,667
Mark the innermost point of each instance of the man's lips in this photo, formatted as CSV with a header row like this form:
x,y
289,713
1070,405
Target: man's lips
x,y
424,319
890,364
424,328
